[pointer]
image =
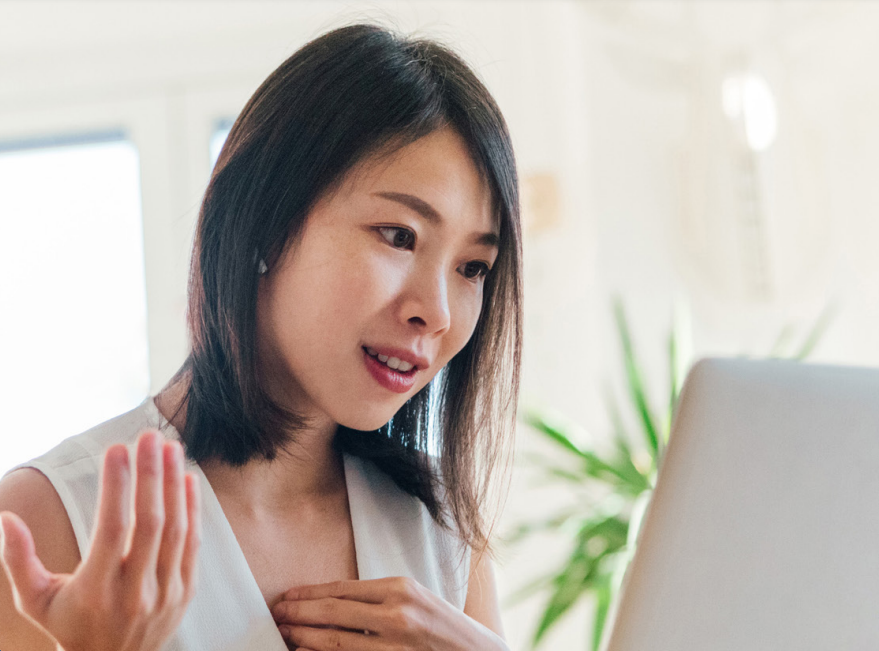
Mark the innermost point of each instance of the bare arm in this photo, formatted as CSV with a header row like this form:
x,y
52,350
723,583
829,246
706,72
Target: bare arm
x,y
482,600
31,496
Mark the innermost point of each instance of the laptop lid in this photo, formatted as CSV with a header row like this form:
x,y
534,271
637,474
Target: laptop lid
x,y
763,531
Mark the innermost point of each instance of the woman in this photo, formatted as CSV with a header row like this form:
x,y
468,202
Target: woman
x,y
360,233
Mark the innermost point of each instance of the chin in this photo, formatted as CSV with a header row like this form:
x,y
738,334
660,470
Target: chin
x,y
366,422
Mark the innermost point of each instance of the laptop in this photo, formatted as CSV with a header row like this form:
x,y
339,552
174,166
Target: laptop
x,y
763,530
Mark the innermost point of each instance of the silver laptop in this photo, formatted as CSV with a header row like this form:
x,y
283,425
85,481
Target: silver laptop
x,y
763,532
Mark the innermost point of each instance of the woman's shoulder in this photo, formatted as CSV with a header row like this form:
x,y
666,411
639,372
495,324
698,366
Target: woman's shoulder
x,y
56,492
29,494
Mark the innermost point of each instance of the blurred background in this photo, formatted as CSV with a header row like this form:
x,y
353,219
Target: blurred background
x,y
712,164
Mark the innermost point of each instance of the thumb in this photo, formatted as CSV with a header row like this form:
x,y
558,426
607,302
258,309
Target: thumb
x,y
32,584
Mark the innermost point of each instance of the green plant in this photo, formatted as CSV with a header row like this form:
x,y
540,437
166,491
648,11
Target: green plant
x,y
616,486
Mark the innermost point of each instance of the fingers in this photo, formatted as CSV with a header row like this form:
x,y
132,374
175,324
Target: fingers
x,y
32,584
368,591
149,509
374,591
189,564
176,521
163,545
113,519
329,612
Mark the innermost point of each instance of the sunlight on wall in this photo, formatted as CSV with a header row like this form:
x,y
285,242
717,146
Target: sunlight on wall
x,y
748,98
73,338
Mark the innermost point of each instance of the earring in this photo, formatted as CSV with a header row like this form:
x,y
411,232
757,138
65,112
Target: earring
x,y
262,267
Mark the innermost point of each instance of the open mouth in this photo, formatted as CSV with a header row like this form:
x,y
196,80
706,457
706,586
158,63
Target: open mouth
x,y
393,363
394,380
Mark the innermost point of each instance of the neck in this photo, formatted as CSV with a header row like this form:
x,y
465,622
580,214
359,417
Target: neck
x,y
308,473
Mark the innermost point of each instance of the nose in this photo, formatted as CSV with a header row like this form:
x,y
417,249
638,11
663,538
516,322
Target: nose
x,y
426,302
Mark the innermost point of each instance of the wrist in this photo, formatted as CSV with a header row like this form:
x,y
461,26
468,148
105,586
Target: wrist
x,y
485,638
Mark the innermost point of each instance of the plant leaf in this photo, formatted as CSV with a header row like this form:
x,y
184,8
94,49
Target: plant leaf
x,y
782,341
634,377
552,433
674,390
577,474
570,584
565,474
637,480
816,332
603,596
593,465
581,571
603,470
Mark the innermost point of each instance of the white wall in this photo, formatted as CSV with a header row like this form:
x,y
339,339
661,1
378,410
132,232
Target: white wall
x,y
609,99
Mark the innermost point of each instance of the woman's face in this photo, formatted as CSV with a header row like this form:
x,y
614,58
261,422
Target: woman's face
x,y
388,272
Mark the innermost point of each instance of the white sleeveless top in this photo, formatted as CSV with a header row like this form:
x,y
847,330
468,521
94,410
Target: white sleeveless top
x,y
394,535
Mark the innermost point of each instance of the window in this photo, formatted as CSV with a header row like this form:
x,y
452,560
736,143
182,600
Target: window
x,y
73,337
221,132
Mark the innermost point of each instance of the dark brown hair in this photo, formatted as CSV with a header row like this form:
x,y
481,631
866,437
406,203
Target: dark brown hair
x,y
342,97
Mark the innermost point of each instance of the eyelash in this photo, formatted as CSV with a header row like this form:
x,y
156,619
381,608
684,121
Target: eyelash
x,y
483,267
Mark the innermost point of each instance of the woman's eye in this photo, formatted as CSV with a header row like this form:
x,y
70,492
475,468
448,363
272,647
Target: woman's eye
x,y
475,270
401,238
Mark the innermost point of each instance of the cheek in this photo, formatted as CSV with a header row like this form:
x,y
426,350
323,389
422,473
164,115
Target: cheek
x,y
465,318
358,287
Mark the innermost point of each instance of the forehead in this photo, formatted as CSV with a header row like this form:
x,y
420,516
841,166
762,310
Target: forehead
x,y
439,170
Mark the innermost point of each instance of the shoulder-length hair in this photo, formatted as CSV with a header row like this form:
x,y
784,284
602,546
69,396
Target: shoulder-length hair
x,y
342,97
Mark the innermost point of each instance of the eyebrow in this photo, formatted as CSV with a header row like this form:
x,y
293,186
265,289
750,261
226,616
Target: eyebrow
x,y
430,214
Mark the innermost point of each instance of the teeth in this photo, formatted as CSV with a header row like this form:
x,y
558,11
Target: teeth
x,y
393,362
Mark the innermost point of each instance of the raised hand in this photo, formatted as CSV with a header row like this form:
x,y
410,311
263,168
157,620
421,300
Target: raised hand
x,y
132,589
392,614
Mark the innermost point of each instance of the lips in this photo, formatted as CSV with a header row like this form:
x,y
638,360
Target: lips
x,y
393,380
